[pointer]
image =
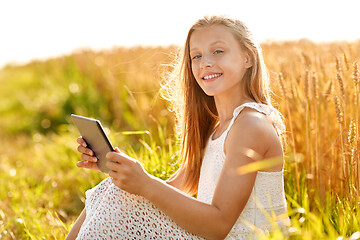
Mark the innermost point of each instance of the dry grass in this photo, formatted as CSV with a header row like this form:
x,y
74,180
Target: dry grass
x,y
316,87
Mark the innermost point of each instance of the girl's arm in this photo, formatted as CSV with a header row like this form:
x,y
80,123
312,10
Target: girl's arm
x,y
212,221
177,180
89,161
74,231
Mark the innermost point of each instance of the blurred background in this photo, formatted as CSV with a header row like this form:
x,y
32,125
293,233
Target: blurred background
x,y
40,29
105,59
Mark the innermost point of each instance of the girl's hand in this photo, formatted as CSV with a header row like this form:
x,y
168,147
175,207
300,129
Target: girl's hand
x,y
127,173
88,157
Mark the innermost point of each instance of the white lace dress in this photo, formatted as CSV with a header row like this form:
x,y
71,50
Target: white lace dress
x,y
112,213
266,204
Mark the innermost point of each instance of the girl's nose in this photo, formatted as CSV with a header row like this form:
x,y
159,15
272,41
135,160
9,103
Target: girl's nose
x,y
206,62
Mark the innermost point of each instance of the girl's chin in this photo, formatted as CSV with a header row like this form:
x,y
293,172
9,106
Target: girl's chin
x,y
210,93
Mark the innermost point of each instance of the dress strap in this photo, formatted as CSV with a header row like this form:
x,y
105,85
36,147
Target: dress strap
x,y
273,114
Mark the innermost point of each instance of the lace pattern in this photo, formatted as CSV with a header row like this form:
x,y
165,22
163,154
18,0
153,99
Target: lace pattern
x,y
112,213
273,114
267,198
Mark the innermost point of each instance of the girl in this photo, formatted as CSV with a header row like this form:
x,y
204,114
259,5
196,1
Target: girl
x,y
226,121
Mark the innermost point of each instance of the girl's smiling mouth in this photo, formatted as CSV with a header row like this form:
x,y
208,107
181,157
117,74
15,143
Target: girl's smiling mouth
x,y
212,76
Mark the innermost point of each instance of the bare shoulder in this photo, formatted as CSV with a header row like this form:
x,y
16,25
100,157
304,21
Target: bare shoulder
x,y
253,130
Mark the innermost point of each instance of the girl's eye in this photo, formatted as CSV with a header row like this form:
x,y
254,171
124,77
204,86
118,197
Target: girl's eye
x,y
196,57
218,51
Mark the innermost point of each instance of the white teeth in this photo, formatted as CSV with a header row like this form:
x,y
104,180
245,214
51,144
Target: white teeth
x,y
212,76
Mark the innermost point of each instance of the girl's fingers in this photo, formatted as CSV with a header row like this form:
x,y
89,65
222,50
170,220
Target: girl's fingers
x,y
89,165
84,150
113,166
119,157
113,174
88,158
81,141
82,163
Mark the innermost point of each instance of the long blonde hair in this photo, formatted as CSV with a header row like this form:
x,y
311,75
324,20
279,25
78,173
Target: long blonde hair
x,y
196,114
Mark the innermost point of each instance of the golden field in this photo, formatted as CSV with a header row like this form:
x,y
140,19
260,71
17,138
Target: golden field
x,y
315,86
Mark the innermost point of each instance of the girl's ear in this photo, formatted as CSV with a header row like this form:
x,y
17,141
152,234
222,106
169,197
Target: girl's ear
x,y
248,60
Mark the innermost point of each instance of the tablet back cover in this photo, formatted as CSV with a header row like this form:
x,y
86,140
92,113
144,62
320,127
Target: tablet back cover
x,y
95,137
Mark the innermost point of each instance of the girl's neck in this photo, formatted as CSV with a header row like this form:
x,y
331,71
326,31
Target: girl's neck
x,y
225,107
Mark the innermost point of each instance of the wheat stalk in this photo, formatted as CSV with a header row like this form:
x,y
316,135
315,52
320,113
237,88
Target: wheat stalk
x,y
346,61
306,85
352,134
337,65
282,86
329,88
356,75
352,140
341,89
315,85
339,117
315,94
341,84
339,114
293,145
356,103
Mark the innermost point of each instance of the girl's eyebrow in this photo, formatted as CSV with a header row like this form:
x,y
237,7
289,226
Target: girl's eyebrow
x,y
211,44
216,42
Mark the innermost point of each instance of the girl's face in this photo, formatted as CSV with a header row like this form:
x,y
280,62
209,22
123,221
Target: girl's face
x,y
217,60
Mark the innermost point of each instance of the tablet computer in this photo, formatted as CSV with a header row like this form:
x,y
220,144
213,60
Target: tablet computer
x,y
94,135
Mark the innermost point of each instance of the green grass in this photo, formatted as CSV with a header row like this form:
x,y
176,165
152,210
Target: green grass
x,y
42,190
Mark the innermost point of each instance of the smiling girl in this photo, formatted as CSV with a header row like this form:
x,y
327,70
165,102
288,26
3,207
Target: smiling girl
x,y
225,119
